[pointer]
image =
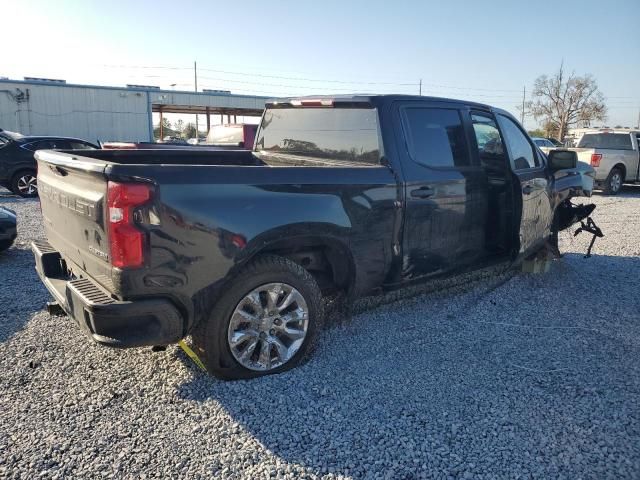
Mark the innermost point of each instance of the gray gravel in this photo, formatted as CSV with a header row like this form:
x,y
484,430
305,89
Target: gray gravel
x,y
511,376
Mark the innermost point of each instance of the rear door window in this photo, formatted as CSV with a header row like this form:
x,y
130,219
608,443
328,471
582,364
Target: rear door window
x,y
435,137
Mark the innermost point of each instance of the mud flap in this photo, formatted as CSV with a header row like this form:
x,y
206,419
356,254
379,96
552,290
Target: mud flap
x,y
593,229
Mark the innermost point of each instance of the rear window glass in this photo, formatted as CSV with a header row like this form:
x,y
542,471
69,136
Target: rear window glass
x,y
614,141
349,134
225,135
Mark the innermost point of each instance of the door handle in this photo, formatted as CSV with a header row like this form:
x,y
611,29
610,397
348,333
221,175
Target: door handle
x,y
527,189
422,192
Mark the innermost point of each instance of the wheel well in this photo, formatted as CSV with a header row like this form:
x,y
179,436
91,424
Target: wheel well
x,y
22,170
620,166
329,262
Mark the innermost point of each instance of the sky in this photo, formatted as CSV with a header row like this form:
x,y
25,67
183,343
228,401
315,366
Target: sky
x,y
485,51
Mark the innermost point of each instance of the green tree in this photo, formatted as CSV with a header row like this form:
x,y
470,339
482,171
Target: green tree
x,y
562,101
166,127
189,130
538,132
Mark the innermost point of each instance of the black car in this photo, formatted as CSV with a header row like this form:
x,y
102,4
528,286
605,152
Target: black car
x,y
17,165
7,228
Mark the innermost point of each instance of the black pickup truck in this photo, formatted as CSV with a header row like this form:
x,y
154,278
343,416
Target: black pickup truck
x,y
353,194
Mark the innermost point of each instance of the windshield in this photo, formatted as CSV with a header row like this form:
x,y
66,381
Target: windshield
x,y
613,141
225,135
349,134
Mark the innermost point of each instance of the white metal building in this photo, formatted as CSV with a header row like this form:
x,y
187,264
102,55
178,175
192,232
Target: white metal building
x,y
53,107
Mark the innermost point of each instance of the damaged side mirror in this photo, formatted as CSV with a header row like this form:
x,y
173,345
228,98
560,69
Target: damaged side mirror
x,y
562,159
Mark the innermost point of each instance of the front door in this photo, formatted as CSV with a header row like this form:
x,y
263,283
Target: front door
x,y
446,193
528,166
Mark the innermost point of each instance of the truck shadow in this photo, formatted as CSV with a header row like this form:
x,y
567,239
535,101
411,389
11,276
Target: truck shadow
x,y
628,191
27,294
421,376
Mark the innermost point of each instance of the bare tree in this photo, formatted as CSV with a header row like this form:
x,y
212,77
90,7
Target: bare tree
x,y
179,126
563,101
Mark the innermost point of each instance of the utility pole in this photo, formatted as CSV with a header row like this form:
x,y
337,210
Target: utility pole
x,y
420,90
195,81
638,126
524,93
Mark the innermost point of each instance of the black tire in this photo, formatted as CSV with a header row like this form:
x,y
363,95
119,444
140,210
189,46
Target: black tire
x,y
613,184
210,336
18,186
5,244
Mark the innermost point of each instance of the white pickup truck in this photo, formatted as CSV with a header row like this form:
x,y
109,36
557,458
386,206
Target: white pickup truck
x,y
614,155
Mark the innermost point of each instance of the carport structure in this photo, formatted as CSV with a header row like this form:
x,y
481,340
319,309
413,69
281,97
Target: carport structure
x,y
205,103
108,113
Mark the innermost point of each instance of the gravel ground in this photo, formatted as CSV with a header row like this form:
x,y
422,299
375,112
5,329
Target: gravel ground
x,y
511,376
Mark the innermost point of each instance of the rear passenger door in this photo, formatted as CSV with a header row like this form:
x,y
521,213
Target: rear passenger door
x,y
528,166
446,194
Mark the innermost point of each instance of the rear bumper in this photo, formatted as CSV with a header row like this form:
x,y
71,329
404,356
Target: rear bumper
x,y
123,324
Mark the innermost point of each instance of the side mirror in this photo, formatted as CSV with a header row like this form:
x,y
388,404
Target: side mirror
x,y
562,159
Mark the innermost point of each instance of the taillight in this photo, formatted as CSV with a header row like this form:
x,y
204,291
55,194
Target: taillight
x,y
595,159
126,241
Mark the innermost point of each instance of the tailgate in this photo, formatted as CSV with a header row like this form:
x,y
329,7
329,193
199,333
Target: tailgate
x,y
73,192
584,154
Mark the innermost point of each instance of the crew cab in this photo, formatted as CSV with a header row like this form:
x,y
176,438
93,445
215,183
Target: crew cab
x,y
614,155
341,195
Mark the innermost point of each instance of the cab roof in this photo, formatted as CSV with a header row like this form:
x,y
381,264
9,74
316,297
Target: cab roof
x,y
373,99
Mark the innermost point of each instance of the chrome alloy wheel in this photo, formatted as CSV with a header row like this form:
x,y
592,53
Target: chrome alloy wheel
x,y
616,182
27,184
268,326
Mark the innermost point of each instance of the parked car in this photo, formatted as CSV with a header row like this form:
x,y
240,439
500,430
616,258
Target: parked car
x,y
238,135
17,165
352,195
8,224
555,142
544,142
614,155
173,141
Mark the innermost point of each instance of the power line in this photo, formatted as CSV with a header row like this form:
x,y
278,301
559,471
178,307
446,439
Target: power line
x,y
307,79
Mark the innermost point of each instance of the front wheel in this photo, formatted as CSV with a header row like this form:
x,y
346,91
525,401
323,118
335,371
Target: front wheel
x,y
264,323
613,183
25,183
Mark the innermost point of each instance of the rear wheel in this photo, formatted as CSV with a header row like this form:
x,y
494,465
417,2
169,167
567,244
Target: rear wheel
x,y
25,183
264,323
613,183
